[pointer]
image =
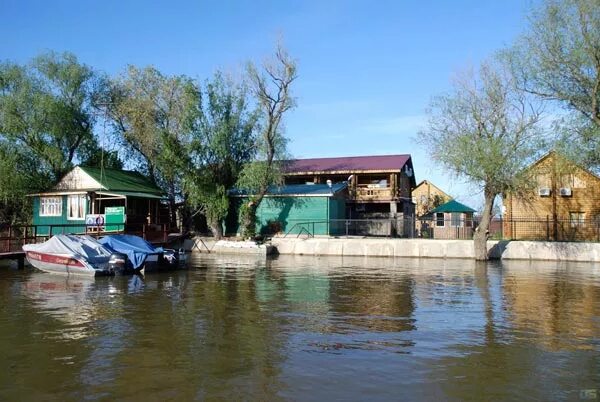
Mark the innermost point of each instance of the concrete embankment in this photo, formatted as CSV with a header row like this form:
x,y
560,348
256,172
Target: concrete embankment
x,y
209,245
425,248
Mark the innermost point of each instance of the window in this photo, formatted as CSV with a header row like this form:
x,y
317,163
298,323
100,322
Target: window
x,y
577,219
468,221
50,206
424,199
439,219
455,219
76,206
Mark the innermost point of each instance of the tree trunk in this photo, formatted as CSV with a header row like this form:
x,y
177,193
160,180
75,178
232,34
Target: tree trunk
x,y
482,233
249,220
216,229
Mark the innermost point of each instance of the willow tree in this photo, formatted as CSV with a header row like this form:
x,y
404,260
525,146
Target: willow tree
x,y
153,115
221,144
46,108
20,174
558,59
271,86
486,131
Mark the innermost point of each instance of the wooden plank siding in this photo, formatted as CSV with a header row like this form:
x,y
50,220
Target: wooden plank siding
x,y
556,217
42,221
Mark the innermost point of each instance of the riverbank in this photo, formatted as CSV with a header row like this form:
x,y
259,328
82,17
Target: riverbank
x,y
426,248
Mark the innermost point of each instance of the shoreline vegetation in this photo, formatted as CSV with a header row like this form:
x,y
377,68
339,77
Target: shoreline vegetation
x,y
197,139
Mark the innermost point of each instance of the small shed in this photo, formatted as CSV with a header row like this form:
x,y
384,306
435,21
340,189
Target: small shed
x,y
452,220
102,199
315,209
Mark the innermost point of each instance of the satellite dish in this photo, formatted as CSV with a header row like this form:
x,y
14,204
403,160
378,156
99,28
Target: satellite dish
x,y
408,171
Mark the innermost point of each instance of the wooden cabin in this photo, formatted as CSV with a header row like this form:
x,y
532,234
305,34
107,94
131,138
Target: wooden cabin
x,y
378,186
427,196
93,199
452,220
564,204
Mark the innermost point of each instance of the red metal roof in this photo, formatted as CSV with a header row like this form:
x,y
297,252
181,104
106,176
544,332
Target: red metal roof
x,y
348,163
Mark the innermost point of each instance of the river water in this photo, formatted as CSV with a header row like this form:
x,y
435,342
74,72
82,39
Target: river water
x,y
305,328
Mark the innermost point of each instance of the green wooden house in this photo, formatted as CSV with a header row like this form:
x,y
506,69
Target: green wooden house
x,y
297,208
93,199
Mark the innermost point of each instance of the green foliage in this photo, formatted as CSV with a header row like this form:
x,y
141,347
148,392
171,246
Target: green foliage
x,y
46,108
271,87
248,218
557,59
222,142
485,131
153,116
19,176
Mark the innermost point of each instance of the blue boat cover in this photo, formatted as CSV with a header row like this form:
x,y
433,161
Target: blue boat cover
x,y
136,248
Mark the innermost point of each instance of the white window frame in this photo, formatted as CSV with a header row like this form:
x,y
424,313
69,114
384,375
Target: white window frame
x,y
79,202
437,220
51,206
577,219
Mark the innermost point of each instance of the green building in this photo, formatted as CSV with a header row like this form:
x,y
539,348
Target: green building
x,y
299,208
93,199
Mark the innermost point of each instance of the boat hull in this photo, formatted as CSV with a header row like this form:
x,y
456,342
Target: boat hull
x,y
62,264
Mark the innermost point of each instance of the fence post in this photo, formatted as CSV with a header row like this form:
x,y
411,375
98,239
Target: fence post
x,y
9,237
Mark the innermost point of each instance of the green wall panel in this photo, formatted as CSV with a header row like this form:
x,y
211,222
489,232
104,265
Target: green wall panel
x,y
291,214
44,223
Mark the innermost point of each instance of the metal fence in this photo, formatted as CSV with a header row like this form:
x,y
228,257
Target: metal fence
x,y
500,229
551,229
13,237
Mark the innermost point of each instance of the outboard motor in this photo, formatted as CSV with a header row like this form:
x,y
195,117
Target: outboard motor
x,y
118,263
169,258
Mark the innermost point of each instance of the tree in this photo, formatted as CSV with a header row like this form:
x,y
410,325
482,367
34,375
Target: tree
x,y
153,116
486,131
46,108
271,87
20,174
558,59
222,143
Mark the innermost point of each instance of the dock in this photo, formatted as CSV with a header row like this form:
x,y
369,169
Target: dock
x,y
19,256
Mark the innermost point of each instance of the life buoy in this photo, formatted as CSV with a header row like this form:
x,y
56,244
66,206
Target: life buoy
x,y
99,220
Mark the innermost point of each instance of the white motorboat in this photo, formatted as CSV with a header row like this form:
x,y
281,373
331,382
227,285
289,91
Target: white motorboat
x,y
70,254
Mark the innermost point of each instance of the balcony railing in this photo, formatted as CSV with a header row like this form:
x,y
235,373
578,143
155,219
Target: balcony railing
x,y
373,193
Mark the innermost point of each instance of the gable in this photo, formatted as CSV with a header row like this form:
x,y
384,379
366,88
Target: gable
x,y
426,187
78,179
567,173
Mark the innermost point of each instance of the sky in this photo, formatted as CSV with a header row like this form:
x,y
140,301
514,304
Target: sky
x,y
367,69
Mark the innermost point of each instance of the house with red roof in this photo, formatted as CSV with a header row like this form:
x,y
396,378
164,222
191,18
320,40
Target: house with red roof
x,y
378,186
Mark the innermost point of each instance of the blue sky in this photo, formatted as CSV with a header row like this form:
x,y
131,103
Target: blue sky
x,y
367,69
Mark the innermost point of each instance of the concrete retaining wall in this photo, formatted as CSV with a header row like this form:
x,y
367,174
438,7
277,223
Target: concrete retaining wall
x,y
233,247
424,248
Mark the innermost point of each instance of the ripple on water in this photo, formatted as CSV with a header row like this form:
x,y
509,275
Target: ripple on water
x,y
305,328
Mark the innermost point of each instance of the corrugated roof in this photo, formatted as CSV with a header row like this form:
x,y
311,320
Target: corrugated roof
x,y
299,190
122,180
452,206
347,164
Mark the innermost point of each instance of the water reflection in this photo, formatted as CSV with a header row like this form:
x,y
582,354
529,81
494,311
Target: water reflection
x,y
304,328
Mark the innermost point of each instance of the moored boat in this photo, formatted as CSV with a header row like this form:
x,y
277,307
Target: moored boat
x,y
70,254
140,253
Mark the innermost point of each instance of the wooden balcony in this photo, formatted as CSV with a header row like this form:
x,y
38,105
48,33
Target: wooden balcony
x,y
366,193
